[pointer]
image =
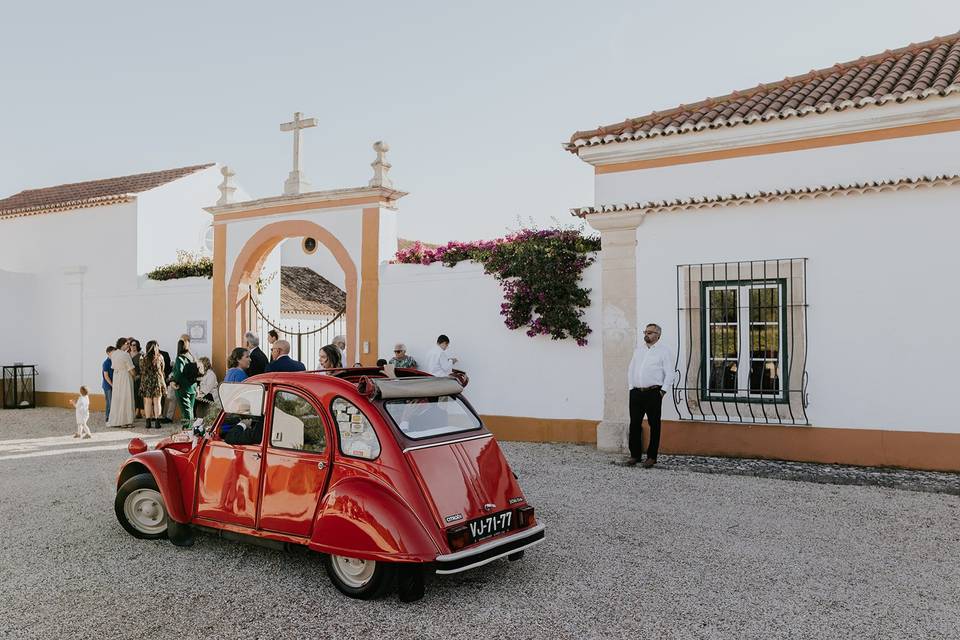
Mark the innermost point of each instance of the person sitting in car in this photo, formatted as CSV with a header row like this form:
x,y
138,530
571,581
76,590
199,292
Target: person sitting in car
x,y
239,427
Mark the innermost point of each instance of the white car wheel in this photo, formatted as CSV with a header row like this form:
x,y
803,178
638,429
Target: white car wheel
x,y
144,510
354,572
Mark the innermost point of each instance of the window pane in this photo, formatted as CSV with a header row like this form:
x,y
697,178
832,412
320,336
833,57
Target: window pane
x,y
296,424
765,304
723,342
428,417
723,305
764,377
357,437
723,376
764,341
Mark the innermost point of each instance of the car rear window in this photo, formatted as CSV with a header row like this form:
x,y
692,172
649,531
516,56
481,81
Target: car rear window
x,y
429,417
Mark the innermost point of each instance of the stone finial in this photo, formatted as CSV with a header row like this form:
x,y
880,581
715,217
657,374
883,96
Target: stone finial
x,y
226,187
381,168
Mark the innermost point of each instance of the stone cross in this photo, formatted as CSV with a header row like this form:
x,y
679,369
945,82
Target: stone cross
x,y
295,182
380,166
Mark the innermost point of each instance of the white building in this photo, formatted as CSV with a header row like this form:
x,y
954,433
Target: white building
x,y
796,241
73,265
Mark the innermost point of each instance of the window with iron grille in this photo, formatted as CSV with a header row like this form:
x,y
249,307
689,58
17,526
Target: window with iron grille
x,y
743,341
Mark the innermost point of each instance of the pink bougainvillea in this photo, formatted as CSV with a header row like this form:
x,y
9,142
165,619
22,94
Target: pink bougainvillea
x,y
539,271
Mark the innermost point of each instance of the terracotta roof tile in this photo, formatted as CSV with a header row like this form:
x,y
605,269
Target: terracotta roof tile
x,y
914,72
303,291
91,193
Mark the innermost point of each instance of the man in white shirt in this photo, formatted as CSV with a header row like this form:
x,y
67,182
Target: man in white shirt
x,y
651,370
439,362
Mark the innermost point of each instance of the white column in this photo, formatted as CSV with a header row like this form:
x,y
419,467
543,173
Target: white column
x,y
74,346
618,261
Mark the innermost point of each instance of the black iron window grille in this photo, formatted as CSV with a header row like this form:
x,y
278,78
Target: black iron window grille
x,y
742,333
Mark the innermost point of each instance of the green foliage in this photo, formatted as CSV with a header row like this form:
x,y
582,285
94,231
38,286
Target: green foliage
x,y
188,265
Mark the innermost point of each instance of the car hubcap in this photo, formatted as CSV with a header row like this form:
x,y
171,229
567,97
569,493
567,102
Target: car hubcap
x,y
354,572
144,510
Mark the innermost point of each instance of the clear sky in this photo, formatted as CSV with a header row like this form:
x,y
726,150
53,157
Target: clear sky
x,y
474,99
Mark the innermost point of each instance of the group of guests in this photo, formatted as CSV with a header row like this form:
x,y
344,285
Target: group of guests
x,y
250,360
439,361
138,382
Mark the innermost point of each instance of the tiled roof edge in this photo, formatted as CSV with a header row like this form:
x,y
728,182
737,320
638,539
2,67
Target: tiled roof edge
x,y
85,203
598,137
801,193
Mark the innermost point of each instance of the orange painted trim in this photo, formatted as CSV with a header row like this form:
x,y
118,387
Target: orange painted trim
x,y
369,286
542,429
905,131
288,208
218,348
256,250
862,447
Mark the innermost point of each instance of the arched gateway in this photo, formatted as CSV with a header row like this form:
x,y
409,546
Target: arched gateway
x,y
357,225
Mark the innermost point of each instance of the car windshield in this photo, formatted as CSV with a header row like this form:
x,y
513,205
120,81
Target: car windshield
x,y
429,417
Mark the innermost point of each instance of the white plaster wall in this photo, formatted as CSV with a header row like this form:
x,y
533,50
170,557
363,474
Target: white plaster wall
x,y
388,235
510,373
18,333
881,284
867,161
344,223
171,217
103,239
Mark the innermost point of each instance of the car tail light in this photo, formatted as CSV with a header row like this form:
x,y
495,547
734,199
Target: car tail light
x,y
524,516
458,537
136,446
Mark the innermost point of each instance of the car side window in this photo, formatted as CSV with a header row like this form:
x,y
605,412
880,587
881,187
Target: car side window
x,y
357,437
296,424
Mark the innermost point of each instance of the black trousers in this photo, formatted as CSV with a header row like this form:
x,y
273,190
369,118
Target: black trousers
x,y
644,403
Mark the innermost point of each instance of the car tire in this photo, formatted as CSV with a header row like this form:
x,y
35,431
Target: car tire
x,y
140,508
411,582
360,579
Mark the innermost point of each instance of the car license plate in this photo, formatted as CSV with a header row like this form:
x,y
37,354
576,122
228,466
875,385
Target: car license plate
x,y
490,525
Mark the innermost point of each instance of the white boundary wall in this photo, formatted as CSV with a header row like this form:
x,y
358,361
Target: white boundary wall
x,y
510,373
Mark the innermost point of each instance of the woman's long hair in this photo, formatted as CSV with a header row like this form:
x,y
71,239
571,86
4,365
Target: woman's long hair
x,y
333,354
153,355
182,347
235,357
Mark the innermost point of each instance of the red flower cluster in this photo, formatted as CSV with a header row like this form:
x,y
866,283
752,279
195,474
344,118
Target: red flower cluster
x,y
539,271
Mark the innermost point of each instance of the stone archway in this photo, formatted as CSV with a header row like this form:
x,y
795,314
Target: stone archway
x,y
255,250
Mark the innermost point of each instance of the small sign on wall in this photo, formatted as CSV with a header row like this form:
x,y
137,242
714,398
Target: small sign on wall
x,y
197,330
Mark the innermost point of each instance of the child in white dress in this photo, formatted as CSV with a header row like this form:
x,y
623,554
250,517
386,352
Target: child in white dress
x,y
82,406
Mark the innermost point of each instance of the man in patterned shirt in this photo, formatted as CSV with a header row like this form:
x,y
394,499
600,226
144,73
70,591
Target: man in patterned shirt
x,y
400,358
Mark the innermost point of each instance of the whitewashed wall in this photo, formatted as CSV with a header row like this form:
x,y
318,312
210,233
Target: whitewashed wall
x,y
881,285
17,332
510,373
171,218
102,239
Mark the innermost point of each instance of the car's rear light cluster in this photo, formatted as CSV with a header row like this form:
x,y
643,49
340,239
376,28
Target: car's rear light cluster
x,y
458,537
524,516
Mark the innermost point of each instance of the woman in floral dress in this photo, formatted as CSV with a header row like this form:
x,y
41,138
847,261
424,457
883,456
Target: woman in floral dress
x,y
152,386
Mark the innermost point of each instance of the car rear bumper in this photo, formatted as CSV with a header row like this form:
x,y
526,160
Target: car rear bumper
x,y
490,551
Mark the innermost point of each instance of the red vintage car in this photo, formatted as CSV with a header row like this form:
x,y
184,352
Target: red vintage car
x,y
390,477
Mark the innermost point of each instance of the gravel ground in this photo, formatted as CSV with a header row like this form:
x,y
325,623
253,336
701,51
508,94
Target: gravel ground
x,y
662,553
55,421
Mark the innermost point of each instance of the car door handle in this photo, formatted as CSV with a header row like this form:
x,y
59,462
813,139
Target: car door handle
x,y
257,456
321,465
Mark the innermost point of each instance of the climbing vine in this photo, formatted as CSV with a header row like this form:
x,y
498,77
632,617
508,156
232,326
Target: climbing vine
x,y
539,272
